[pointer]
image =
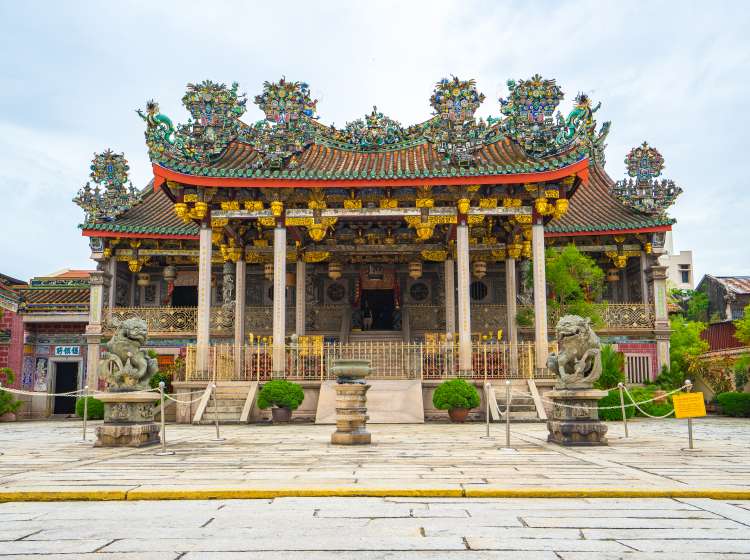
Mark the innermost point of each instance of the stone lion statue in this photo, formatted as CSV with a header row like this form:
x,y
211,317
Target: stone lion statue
x,y
124,366
578,362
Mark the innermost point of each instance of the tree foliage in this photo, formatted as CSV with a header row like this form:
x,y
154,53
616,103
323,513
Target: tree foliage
x,y
743,327
685,345
693,304
575,282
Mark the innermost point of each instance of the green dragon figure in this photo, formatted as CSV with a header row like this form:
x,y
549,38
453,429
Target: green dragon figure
x,y
580,121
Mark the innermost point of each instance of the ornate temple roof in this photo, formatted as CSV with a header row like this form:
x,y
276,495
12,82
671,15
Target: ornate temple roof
x,y
64,291
530,143
152,216
594,208
291,145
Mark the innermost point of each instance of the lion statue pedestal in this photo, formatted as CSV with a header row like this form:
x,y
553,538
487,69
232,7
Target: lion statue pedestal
x,y
577,365
128,412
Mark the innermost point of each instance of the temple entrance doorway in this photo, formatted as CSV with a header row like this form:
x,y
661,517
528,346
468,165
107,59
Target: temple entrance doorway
x,y
378,310
66,380
185,296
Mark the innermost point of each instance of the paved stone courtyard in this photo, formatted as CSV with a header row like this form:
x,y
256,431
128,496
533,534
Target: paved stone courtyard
x,y
379,528
46,456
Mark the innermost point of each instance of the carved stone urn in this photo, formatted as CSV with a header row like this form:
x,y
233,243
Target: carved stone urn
x,y
577,365
128,409
351,402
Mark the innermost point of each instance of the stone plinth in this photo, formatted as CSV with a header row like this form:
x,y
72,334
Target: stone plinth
x,y
128,420
351,415
575,417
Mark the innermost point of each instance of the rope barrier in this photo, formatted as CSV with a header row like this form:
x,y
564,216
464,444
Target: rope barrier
x,y
171,398
643,411
579,407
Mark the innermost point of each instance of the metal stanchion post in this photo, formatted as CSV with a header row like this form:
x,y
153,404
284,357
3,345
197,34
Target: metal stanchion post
x,y
507,414
163,433
216,413
622,409
85,413
487,388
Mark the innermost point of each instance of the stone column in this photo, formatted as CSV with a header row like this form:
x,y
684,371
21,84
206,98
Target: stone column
x,y
300,303
540,296
99,283
510,303
450,297
661,316
464,305
278,366
239,315
202,355
112,282
644,281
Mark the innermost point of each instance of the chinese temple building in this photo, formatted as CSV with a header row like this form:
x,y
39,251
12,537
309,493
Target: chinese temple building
x,y
264,250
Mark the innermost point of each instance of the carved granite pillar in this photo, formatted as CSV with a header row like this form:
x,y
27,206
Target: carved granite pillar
x,y
464,305
510,303
540,296
300,292
450,297
204,299
99,284
239,315
661,315
279,302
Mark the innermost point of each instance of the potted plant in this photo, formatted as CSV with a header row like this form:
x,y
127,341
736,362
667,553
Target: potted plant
x,y
94,408
284,396
457,396
8,404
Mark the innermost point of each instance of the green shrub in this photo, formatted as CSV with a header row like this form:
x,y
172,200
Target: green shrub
x,y
281,393
455,393
95,408
735,404
161,376
613,399
670,378
8,403
741,369
612,368
653,408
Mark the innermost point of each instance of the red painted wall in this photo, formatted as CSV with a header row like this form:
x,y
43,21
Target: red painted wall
x,y
11,354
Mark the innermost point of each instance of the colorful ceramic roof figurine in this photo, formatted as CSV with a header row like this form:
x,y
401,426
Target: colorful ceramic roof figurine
x,y
112,194
645,193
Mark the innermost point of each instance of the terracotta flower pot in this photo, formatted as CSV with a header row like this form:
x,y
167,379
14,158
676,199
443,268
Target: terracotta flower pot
x,y
281,415
458,414
8,417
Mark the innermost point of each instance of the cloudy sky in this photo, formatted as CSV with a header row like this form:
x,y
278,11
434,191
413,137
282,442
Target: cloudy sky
x,y
72,74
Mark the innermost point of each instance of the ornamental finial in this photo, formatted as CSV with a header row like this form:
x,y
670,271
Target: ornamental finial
x,y
643,192
454,131
112,194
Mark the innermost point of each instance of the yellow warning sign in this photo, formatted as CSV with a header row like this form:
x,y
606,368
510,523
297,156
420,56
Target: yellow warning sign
x,y
689,405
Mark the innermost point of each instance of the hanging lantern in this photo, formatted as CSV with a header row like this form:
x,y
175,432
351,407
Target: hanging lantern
x,y
479,268
170,273
291,279
612,275
415,269
335,270
268,271
143,279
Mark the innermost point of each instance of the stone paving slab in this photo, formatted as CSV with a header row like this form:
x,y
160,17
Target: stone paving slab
x,y
374,528
427,459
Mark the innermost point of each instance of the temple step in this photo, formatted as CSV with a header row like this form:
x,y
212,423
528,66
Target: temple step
x,y
230,403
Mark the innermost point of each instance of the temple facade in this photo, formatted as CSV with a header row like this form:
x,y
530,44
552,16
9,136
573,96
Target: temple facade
x,y
267,249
